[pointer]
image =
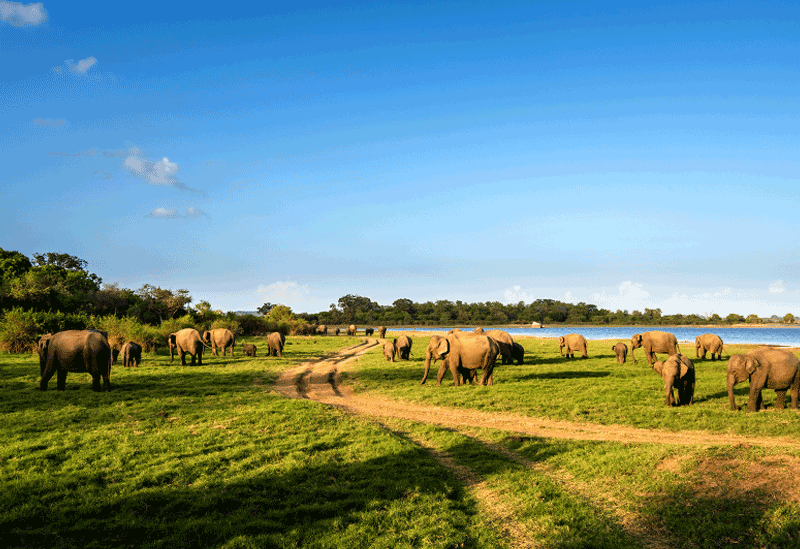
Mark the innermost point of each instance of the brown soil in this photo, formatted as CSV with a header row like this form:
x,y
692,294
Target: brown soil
x,y
320,381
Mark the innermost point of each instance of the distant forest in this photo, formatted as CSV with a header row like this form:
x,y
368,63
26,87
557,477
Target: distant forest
x,y
56,290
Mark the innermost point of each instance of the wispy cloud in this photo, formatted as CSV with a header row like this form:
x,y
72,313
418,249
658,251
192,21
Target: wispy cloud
x,y
80,67
103,173
51,122
133,151
161,173
515,295
17,14
166,213
283,292
88,152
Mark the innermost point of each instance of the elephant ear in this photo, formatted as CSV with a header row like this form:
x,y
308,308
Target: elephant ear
x,y
684,368
750,365
443,347
560,340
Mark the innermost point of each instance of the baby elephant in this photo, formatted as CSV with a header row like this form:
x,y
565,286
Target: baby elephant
x,y
249,349
131,354
678,372
621,350
389,350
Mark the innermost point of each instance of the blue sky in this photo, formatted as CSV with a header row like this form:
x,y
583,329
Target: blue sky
x,y
624,154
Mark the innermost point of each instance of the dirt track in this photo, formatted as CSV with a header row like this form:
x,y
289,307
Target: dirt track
x,y
319,381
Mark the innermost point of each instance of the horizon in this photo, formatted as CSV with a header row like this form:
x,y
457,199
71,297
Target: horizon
x,y
628,156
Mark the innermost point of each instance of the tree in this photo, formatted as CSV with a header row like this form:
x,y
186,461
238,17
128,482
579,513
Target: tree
x,y
753,319
788,319
13,264
265,308
110,299
733,318
159,304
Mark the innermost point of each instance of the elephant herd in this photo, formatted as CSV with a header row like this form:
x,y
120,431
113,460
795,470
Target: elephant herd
x,y
351,330
89,351
461,353
764,367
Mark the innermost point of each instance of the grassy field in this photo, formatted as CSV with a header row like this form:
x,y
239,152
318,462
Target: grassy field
x,y
210,456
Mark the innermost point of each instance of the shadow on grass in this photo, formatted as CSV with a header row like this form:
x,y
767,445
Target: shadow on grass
x,y
563,375
330,505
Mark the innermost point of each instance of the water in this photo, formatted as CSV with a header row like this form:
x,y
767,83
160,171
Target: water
x,y
789,337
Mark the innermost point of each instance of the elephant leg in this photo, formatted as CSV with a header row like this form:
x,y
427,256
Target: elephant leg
x,y
440,374
46,375
754,402
61,380
96,383
488,376
199,358
780,401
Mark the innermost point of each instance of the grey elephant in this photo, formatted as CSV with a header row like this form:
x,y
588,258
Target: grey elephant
x,y
621,350
337,331
74,351
463,354
678,372
572,343
131,354
654,342
248,349
504,342
382,331
369,331
389,350
322,329
351,330
185,341
276,342
219,337
708,342
766,368
403,345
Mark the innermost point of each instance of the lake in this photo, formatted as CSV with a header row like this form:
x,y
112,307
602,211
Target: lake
x,y
789,337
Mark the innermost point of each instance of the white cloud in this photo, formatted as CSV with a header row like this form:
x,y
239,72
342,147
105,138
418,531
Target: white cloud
x,y
164,213
515,295
283,292
81,66
629,296
195,212
17,14
777,287
161,173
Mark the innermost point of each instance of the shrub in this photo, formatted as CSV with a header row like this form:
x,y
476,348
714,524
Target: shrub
x,y
18,331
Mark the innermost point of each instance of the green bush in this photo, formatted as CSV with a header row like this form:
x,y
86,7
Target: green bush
x,y
18,331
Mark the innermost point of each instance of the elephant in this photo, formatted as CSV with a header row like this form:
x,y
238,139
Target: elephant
x,y
766,368
504,342
189,341
403,345
219,337
369,331
337,331
131,354
351,330
389,350
276,341
114,356
677,371
462,354
621,350
75,351
382,331
248,349
708,342
322,329
573,342
517,353
654,342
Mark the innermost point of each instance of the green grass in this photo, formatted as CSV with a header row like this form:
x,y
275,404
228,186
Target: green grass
x,y
211,457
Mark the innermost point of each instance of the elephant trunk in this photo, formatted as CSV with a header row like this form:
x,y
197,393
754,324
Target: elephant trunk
x,y
731,398
427,367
